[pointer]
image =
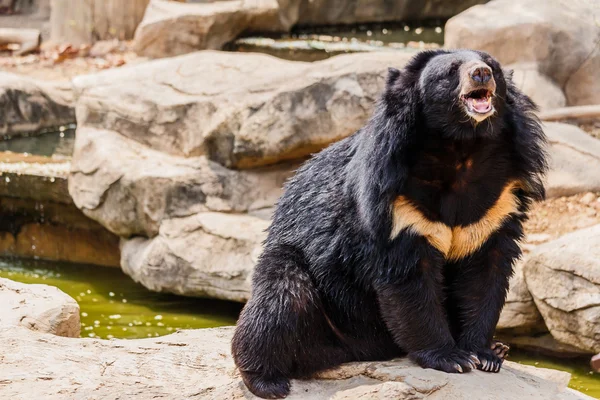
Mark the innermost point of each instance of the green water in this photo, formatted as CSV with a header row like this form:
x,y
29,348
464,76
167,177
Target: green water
x,y
319,43
112,305
400,32
59,142
582,376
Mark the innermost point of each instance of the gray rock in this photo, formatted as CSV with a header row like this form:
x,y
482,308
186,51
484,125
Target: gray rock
x,y
563,277
558,35
542,90
130,188
170,28
198,363
520,314
40,308
27,105
574,160
241,110
206,255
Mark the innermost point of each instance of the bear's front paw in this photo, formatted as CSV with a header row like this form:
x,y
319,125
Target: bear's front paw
x,y
491,359
447,359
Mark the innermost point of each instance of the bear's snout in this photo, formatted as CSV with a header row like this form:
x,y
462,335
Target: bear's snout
x,y
477,90
481,74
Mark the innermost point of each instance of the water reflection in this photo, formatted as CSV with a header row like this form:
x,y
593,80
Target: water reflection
x,y
318,43
58,143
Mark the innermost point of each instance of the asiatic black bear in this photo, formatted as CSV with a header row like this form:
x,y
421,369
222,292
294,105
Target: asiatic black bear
x,y
401,238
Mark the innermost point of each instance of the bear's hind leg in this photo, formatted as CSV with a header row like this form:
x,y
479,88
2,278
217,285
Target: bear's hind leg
x,y
282,333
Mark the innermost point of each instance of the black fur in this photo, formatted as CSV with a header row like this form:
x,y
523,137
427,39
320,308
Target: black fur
x,y
332,287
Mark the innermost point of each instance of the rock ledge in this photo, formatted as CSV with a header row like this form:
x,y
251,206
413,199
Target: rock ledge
x,y
198,364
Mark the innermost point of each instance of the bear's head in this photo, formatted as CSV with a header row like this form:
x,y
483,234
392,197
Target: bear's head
x,y
461,93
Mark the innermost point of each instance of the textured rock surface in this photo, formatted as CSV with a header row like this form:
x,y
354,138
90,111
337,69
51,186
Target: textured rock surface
x,y
207,255
40,219
561,36
520,314
130,188
170,28
574,160
27,105
563,277
542,90
40,308
241,110
57,242
197,364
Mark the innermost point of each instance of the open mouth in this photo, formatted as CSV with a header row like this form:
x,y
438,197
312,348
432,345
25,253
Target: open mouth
x,y
478,101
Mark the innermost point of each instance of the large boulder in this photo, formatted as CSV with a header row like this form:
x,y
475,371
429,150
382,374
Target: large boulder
x,y
198,364
171,28
206,254
520,314
40,308
574,160
543,91
241,110
130,188
560,36
563,277
27,105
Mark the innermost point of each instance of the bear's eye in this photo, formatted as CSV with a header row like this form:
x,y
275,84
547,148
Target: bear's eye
x,y
453,68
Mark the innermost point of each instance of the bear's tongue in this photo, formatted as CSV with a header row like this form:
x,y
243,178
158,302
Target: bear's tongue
x,y
482,105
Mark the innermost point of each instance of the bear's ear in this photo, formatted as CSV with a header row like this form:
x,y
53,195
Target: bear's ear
x,y
393,75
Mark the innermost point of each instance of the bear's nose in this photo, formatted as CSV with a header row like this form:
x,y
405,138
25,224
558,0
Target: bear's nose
x,y
481,74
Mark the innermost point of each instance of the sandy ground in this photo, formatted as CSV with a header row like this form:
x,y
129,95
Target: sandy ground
x,y
593,128
555,217
63,62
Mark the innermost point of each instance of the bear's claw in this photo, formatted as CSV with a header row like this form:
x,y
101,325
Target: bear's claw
x,y
492,358
500,349
452,360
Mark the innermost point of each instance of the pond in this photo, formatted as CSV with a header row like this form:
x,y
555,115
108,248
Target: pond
x,y
57,142
112,305
319,43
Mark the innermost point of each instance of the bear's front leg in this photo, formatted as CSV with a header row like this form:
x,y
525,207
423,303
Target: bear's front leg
x,y
412,307
477,291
